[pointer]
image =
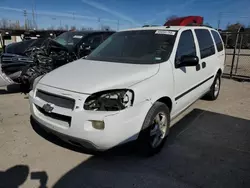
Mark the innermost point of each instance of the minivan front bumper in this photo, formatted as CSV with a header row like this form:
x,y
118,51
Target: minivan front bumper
x,y
76,125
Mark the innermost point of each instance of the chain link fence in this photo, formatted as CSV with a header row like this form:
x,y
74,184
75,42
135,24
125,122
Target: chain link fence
x,y
237,63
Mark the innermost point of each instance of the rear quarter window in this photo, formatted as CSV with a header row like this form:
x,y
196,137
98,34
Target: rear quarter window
x,y
218,41
205,42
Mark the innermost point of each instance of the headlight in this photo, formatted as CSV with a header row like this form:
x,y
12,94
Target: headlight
x,y
36,81
113,100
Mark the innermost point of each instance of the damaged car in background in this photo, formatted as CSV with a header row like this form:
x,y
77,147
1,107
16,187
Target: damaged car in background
x,y
23,62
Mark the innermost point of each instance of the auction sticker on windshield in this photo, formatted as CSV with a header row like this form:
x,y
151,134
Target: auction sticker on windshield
x,y
77,37
162,32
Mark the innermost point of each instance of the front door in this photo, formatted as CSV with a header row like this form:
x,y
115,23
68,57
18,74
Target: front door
x,y
186,78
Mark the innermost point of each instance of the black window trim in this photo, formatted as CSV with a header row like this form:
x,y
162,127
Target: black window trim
x,y
211,31
175,64
199,44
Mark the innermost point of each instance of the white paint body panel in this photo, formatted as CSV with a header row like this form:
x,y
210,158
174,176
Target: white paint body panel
x,y
82,78
92,76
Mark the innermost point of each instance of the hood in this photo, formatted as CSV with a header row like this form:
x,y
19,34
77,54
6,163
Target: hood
x,y
20,47
86,76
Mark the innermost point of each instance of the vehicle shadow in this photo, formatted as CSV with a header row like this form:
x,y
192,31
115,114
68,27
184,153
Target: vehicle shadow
x,y
17,175
204,149
10,89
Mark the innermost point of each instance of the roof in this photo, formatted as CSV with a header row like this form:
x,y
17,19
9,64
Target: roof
x,y
173,28
155,28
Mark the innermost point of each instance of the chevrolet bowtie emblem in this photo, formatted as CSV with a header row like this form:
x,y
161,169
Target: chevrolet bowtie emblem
x,y
48,108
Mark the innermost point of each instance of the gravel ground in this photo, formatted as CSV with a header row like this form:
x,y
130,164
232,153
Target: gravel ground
x,y
192,157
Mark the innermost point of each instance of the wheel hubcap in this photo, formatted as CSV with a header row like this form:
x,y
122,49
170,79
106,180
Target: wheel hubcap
x,y
158,130
217,87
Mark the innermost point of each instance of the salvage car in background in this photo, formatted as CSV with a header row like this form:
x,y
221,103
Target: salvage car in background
x,y
24,61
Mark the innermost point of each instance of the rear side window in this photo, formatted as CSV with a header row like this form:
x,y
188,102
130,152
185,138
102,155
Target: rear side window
x,y
206,43
218,41
186,45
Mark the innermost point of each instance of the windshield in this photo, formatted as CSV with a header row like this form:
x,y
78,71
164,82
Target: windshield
x,y
69,39
138,47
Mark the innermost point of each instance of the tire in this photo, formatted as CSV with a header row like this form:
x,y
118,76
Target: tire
x,y
214,89
151,131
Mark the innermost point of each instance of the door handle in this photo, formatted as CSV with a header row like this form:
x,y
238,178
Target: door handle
x,y
198,67
203,65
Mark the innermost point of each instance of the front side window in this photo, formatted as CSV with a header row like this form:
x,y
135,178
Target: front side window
x,y
186,45
137,47
93,41
70,39
218,41
206,43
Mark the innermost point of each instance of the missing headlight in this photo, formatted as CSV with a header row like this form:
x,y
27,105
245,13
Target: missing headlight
x,y
112,100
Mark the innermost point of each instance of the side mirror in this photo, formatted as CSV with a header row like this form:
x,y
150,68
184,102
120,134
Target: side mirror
x,y
188,61
85,47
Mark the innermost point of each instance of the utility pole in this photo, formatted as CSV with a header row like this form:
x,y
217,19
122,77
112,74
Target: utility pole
x,y
25,19
33,15
219,20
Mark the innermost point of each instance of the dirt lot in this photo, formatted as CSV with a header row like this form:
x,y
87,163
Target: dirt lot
x,y
208,147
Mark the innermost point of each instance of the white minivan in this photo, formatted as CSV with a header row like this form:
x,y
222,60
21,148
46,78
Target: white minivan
x,y
130,87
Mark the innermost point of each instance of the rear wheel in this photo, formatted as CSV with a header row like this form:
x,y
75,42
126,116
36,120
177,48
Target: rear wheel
x,y
215,89
155,130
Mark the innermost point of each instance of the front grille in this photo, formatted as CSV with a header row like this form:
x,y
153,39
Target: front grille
x,y
6,59
55,116
57,100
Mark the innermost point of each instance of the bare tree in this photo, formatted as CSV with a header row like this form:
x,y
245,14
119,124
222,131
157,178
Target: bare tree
x,y
234,27
60,28
4,23
51,28
66,27
83,28
29,24
89,29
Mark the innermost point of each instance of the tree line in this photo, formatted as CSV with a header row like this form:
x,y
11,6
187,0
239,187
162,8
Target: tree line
x,y
30,25
229,36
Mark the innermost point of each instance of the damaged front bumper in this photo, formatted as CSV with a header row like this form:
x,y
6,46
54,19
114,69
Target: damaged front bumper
x,y
78,126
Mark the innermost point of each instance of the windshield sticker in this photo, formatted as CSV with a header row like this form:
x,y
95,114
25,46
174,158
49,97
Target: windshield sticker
x,y
162,32
77,36
157,58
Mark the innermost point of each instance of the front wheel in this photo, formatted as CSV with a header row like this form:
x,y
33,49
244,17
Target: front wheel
x,y
155,130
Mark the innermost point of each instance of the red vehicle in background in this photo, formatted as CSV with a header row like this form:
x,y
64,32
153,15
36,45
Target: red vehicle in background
x,y
185,21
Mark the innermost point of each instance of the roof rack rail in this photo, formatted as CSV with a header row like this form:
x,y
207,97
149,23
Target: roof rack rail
x,y
151,25
195,24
